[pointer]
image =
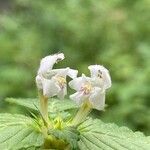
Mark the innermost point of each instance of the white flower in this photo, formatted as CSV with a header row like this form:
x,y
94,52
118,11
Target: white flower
x,y
92,88
53,81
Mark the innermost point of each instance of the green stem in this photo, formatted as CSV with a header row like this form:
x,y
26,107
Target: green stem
x,y
82,113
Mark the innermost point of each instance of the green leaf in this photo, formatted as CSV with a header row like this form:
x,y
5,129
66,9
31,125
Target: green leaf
x,y
69,134
18,131
54,105
94,134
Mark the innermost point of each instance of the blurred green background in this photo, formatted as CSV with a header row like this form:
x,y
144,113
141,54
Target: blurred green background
x,y
115,33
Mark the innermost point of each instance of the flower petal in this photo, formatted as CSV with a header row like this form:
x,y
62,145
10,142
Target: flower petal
x,y
102,73
39,82
62,72
97,98
50,89
93,70
56,72
77,83
72,73
48,62
78,97
97,82
61,94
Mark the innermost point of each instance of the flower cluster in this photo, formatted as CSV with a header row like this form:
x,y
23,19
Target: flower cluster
x,y
52,82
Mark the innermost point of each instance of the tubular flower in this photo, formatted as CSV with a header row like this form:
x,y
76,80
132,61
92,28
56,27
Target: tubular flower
x,y
50,81
91,89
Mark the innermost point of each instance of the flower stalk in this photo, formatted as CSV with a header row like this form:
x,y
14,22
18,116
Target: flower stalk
x,y
44,108
82,113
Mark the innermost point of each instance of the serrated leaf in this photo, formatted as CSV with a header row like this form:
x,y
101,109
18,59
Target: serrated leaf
x,y
18,132
94,134
54,105
68,134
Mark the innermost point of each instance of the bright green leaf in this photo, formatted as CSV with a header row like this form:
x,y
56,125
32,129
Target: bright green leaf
x,y
54,105
97,135
18,131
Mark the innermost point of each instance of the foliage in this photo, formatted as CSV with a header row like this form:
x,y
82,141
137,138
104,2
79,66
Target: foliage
x,y
113,33
18,131
54,105
21,132
98,135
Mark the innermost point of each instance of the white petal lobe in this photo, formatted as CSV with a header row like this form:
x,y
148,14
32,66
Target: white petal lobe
x,y
61,94
98,71
39,82
72,73
97,99
78,97
50,89
48,62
